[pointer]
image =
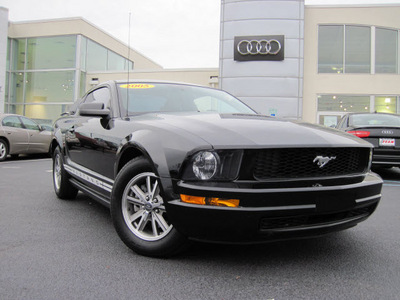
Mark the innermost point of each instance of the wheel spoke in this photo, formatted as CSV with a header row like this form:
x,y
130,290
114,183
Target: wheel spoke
x,y
161,221
148,185
154,225
143,221
139,193
134,201
136,215
155,190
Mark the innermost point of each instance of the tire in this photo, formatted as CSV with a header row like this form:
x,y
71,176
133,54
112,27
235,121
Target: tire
x,y
138,213
62,187
3,150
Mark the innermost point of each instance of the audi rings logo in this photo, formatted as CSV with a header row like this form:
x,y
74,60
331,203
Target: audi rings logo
x,y
262,47
259,48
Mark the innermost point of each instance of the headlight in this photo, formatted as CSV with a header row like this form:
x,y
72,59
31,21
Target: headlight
x,y
205,165
213,165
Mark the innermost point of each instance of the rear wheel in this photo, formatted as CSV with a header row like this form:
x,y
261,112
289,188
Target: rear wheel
x,y
3,150
139,214
62,187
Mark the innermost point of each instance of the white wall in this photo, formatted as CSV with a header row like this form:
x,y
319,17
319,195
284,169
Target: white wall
x,y
3,53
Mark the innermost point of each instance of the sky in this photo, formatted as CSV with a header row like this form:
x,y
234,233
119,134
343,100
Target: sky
x,y
173,33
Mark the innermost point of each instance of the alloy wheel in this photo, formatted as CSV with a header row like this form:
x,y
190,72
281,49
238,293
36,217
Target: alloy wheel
x,y
143,208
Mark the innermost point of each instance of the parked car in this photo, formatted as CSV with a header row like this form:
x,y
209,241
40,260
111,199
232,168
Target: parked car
x,y
21,135
177,162
380,129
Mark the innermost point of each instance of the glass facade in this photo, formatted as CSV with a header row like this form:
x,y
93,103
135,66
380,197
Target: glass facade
x,y
332,107
343,103
347,49
356,49
51,53
45,75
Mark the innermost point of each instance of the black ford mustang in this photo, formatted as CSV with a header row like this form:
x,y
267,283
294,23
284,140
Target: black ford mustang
x,y
176,162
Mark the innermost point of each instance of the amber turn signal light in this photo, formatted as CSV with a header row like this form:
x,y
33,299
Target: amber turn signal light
x,y
210,201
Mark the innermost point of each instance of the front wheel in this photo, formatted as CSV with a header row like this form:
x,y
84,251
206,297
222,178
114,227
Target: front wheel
x,y
139,214
62,187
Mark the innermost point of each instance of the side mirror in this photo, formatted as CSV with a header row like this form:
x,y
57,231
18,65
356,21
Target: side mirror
x,y
93,110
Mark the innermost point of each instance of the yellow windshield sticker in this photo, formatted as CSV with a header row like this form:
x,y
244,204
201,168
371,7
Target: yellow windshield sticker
x,y
137,86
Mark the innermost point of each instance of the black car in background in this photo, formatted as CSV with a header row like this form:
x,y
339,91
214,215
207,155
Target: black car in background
x,y
177,162
380,129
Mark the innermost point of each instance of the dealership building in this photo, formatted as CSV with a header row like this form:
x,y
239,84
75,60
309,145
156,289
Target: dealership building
x,y
283,58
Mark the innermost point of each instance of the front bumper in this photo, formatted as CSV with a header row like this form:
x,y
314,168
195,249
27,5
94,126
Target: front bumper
x,y
274,214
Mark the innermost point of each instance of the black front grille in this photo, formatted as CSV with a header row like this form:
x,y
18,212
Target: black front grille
x,y
292,163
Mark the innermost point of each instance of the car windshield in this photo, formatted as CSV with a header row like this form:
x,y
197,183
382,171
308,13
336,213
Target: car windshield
x,y
161,97
374,120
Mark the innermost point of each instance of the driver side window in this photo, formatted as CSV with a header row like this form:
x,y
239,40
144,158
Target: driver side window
x,y
101,95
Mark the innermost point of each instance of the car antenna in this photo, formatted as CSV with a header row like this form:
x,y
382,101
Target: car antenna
x,y
129,55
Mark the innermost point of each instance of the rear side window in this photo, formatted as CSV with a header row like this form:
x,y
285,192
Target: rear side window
x,y
12,121
375,119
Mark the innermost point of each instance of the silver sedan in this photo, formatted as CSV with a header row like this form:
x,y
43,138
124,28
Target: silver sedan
x,y
21,135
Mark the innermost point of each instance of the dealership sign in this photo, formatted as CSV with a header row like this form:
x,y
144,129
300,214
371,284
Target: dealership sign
x,y
266,47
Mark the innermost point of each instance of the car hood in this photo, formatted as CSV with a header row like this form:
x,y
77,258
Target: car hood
x,y
250,131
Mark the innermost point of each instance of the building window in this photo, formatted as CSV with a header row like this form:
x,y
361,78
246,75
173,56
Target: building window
x,y
344,103
330,49
115,62
18,55
332,107
96,58
100,59
45,75
83,50
16,90
357,49
347,49
386,104
386,50
51,52
49,87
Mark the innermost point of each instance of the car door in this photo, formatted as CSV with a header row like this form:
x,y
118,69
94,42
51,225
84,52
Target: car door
x,y
16,134
39,140
89,142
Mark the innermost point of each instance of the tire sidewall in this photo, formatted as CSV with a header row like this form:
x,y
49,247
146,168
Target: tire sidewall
x,y
166,246
65,189
6,150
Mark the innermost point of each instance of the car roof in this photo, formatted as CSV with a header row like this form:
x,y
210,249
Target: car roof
x,y
156,81
3,115
374,113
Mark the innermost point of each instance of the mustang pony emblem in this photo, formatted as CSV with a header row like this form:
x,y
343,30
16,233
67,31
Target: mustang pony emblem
x,y
323,160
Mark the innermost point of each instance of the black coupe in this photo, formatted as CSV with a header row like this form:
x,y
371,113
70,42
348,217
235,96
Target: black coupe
x,y
380,129
177,162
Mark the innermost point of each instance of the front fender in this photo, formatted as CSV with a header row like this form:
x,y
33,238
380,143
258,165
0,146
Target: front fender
x,y
166,151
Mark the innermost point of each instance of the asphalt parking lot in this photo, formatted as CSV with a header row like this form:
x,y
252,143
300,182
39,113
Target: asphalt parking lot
x,y
54,249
